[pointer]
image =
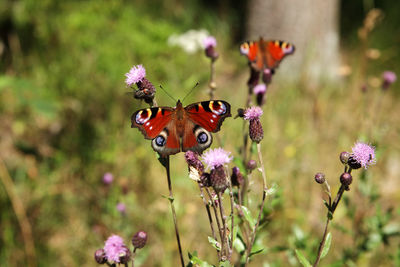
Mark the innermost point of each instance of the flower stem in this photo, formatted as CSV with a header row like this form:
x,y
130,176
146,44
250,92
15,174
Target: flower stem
x,y
223,217
207,205
262,203
20,213
171,200
322,243
232,220
212,84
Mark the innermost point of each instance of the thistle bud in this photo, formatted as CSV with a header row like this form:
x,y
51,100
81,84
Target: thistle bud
x,y
267,75
146,91
218,179
192,159
344,157
236,177
100,256
205,180
389,77
346,179
256,132
320,178
125,255
139,239
209,44
251,165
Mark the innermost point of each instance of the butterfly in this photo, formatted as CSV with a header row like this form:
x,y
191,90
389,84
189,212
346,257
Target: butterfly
x,y
181,129
266,54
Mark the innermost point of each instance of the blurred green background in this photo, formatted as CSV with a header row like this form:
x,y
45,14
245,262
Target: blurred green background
x,y
65,121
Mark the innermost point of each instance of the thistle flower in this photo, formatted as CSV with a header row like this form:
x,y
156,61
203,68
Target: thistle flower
x,y
364,154
253,113
214,158
259,90
209,44
121,207
114,248
256,132
108,178
139,239
389,77
135,75
218,179
267,75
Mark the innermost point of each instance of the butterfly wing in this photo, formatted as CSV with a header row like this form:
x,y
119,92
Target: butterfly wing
x,y
203,118
158,124
253,52
274,51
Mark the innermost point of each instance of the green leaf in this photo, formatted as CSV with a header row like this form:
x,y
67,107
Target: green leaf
x,y
235,231
248,217
272,190
238,162
214,243
302,259
224,264
238,245
327,245
254,252
195,261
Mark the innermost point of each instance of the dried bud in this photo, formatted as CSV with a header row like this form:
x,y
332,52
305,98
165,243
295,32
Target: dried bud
x,y
125,256
146,91
192,159
236,177
256,132
139,239
240,113
344,157
100,256
353,163
346,179
320,178
251,165
218,179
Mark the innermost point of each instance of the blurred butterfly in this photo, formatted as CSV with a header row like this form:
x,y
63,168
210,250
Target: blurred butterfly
x,y
175,129
266,54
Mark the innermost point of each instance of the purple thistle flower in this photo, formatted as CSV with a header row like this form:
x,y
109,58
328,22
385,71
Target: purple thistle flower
x,y
389,77
253,113
364,154
260,89
108,178
135,75
114,248
121,207
214,158
209,41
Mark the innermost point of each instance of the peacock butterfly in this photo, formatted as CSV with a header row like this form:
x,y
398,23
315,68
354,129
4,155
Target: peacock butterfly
x,y
266,54
181,129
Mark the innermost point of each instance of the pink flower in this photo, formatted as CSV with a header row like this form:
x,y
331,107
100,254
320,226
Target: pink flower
x,y
209,41
389,77
252,113
108,178
363,154
260,89
114,248
135,75
216,157
121,207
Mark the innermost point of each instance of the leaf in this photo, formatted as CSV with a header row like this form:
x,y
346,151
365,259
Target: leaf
x,y
248,217
238,245
224,264
195,261
272,190
235,231
302,259
238,162
256,252
214,243
327,245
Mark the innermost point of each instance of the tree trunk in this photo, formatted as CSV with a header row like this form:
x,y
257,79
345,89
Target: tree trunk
x,y
311,25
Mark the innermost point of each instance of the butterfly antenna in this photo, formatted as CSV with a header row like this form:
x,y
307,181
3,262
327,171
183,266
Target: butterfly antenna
x,y
190,91
165,91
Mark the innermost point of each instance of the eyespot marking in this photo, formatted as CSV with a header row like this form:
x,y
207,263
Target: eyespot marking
x,y
217,107
143,116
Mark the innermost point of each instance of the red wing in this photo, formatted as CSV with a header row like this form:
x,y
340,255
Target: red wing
x,y
275,51
209,114
167,141
152,121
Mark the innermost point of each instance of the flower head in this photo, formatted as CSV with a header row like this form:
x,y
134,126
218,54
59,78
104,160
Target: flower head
x,y
139,239
253,113
389,77
114,248
260,89
121,207
135,75
108,178
364,154
216,157
209,41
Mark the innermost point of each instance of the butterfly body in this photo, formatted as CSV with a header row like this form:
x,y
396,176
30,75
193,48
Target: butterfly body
x,y
181,128
266,54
